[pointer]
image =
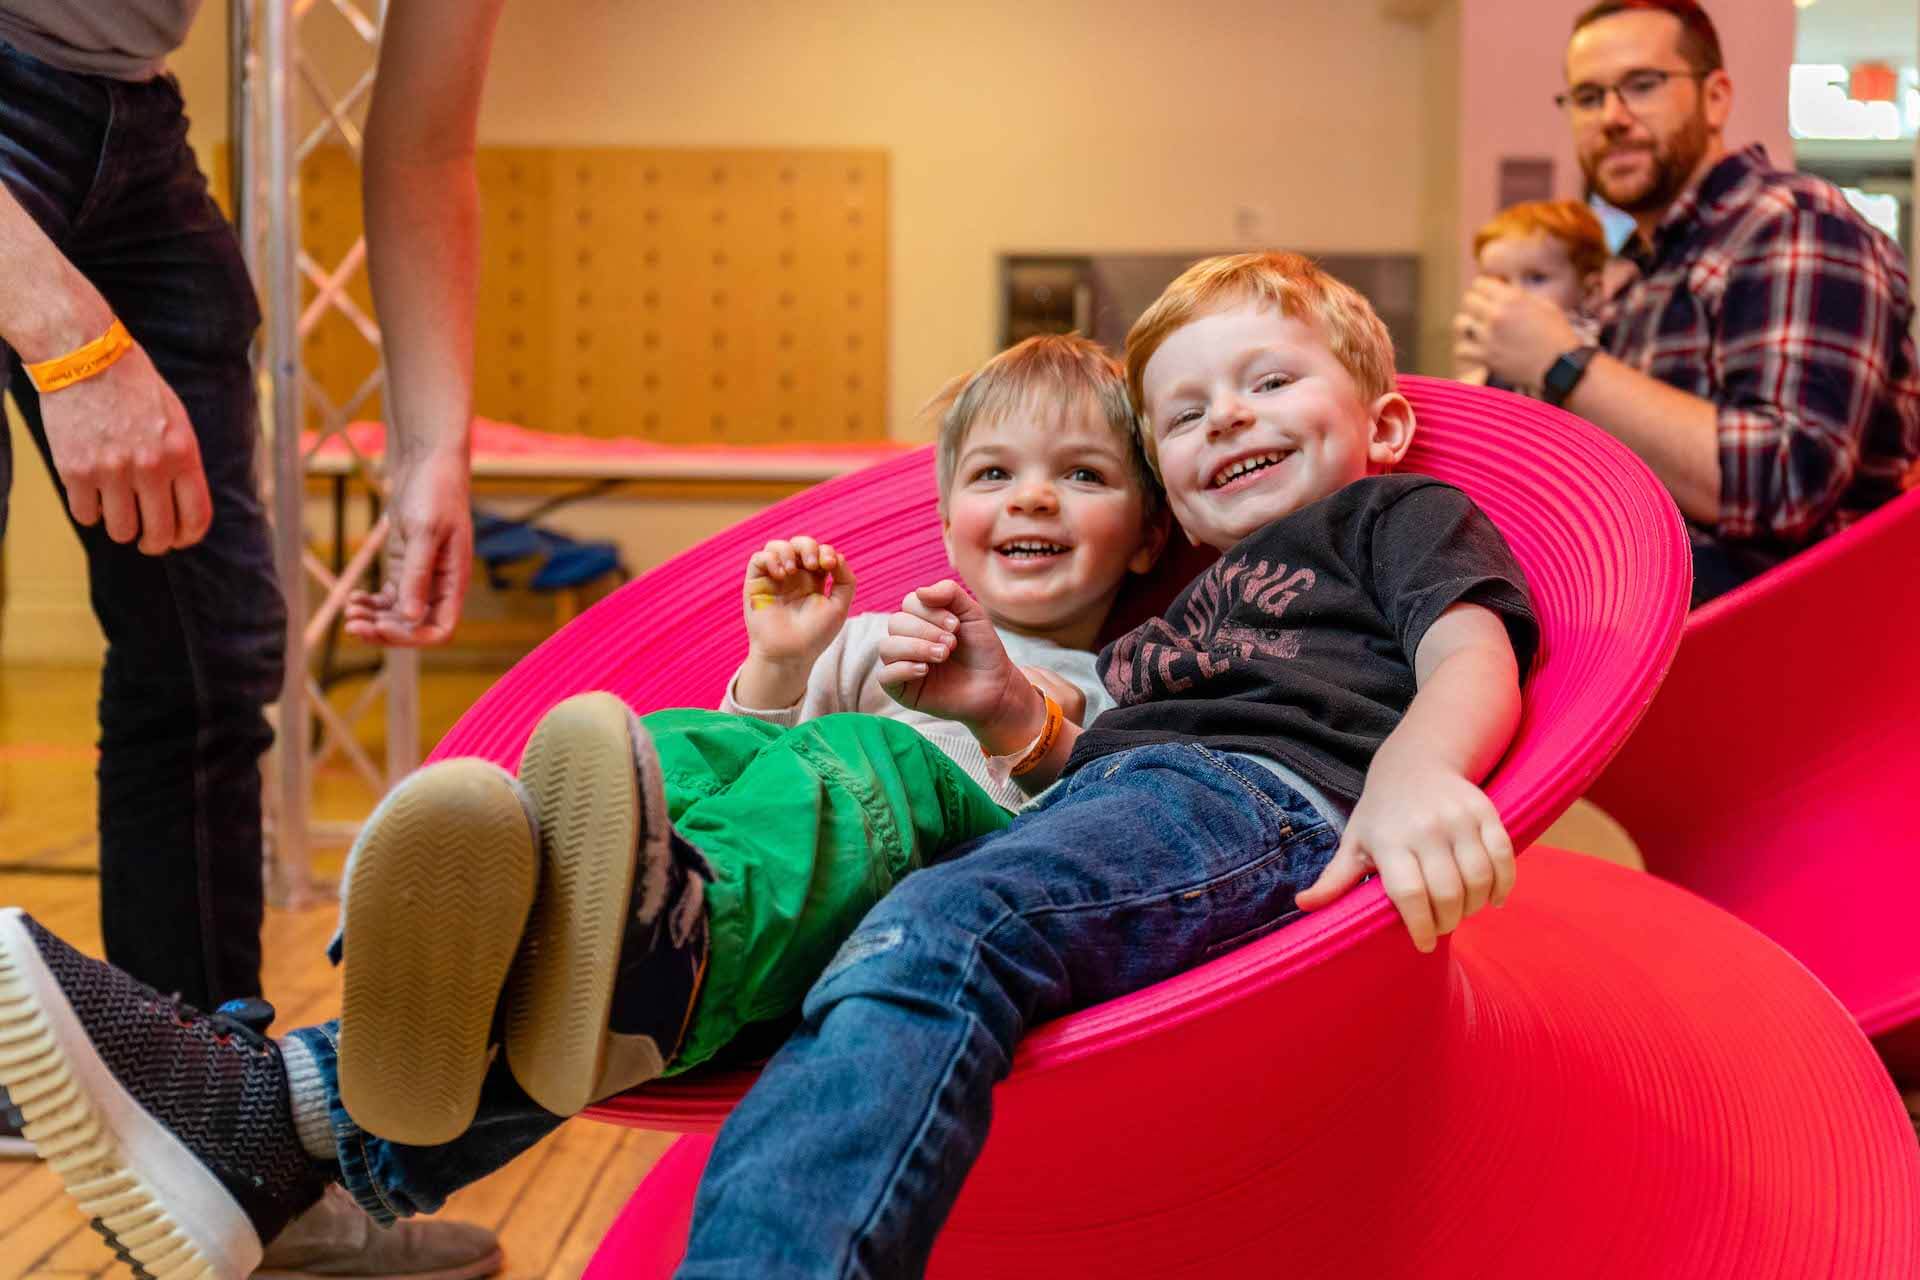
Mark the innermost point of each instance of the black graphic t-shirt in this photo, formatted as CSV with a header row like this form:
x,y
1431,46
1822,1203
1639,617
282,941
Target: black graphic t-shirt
x,y
1298,643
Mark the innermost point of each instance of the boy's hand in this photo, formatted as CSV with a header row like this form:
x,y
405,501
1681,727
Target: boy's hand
x,y
1435,839
941,655
791,617
1071,697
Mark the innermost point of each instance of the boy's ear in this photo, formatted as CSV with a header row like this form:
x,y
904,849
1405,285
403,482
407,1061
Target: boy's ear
x,y
946,533
1390,432
1153,540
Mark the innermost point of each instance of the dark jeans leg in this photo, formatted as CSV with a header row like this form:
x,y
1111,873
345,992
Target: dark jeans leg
x,y
1719,567
195,638
846,1157
393,1181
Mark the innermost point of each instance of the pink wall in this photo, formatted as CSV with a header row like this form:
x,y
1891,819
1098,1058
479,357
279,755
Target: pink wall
x,y
1512,66
1492,69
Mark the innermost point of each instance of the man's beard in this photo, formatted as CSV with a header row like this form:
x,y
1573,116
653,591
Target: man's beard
x,y
1674,161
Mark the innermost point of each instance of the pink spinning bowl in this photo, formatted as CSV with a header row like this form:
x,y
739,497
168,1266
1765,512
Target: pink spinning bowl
x,y
1607,1077
1774,774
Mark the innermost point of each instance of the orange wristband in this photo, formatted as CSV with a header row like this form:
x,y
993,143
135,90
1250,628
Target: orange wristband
x,y
1049,734
83,362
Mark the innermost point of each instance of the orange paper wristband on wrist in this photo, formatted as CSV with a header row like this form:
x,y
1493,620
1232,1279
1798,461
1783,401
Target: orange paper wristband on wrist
x,y
1049,734
83,362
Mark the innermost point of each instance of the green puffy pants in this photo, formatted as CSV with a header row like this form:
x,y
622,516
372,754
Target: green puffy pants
x,y
806,828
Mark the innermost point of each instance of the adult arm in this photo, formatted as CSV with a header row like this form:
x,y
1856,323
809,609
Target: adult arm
x,y
1519,335
1675,433
423,244
122,444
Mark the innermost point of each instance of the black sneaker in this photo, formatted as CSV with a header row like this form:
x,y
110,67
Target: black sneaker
x,y
604,988
171,1128
13,1135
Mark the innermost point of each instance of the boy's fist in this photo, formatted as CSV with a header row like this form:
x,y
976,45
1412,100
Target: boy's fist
x,y
941,655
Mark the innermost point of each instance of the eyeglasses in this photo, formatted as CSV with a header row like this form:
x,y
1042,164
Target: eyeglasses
x,y
1637,89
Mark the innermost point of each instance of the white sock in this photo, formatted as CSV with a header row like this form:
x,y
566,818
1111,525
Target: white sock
x,y
308,1094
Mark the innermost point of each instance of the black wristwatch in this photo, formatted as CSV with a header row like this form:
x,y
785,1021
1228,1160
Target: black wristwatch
x,y
1565,374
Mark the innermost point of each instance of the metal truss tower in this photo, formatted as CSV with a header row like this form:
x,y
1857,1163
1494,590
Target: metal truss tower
x,y
302,75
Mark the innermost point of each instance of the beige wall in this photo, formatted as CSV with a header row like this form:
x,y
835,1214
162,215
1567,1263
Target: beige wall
x,y
1071,124
1067,125
1441,156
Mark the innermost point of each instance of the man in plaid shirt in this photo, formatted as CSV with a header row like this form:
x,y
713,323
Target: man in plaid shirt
x,y
1762,362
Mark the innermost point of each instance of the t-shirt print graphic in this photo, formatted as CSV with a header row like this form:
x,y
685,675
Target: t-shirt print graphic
x,y
1231,612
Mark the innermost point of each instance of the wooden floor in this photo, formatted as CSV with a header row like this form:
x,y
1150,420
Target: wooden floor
x,y
550,1207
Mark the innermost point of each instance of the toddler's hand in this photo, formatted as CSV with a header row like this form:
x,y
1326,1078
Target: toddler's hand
x,y
941,655
1071,697
1436,841
791,616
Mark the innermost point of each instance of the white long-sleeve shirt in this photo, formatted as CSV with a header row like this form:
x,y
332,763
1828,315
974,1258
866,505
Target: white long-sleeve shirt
x,y
846,678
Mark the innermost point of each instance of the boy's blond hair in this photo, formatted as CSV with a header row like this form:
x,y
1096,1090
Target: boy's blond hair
x,y
1052,375
1572,223
1300,289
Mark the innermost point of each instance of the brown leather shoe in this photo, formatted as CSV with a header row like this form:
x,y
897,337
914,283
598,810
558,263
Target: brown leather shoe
x,y
335,1239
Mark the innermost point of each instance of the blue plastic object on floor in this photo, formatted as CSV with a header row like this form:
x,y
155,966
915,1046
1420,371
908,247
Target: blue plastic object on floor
x,y
564,563
576,564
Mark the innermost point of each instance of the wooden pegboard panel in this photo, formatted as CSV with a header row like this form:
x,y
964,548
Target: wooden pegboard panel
x,y
514,338
727,296
674,294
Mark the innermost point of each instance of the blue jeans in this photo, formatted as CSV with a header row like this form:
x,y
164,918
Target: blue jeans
x,y
846,1157
195,638
391,1180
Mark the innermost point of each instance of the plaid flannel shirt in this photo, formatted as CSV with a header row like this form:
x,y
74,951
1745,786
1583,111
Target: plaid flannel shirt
x,y
1766,293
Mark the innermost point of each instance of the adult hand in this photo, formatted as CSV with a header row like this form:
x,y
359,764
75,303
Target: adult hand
x,y
429,555
125,450
1515,334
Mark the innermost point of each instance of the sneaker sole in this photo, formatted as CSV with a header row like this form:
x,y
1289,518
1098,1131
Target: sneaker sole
x,y
592,786
437,899
143,1189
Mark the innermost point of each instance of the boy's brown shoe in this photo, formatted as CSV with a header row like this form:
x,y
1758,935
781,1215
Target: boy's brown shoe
x,y
434,903
336,1240
617,944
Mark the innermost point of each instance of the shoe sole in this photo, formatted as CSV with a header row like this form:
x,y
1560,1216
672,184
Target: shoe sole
x,y
142,1188
436,901
593,782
